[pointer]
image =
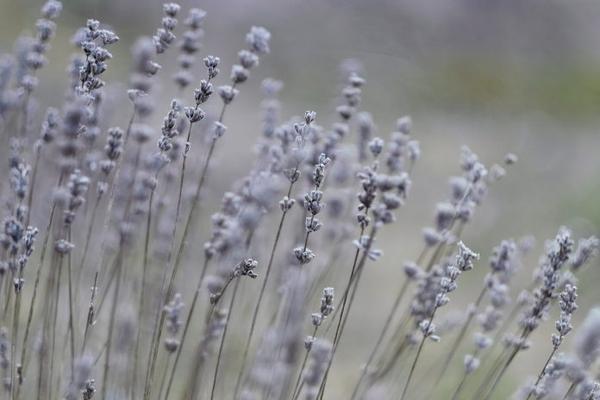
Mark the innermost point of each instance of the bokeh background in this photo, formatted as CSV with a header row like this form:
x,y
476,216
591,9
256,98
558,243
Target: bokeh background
x,y
500,76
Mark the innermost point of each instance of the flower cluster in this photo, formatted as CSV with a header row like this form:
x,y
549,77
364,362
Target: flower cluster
x,y
557,255
164,36
92,40
190,43
173,322
35,57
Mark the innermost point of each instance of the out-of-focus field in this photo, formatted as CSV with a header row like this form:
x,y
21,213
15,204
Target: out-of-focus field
x,y
510,76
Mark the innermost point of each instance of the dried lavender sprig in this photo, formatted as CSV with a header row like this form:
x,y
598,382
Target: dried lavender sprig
x,y
35,58
195,114
190,43
557,255
501,262
467,192
243,268
392,190
327,307
464,262
258,40
293,174
563,326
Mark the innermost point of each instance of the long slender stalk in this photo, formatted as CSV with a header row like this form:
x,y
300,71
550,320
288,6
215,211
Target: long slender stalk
x,y
88,236
542,372
261,295
380,338
32,185
461,335
501,374
111,197
111,324
569,391
145,262
222,342
298,385
461,384
71,306
186,327
36,283
90,315
416,359
357,272
165,293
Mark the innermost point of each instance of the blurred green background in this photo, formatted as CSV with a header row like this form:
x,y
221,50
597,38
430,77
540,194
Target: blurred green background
x,y
501,76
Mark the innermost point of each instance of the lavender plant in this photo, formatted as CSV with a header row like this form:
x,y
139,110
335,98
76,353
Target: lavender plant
x,y
122,278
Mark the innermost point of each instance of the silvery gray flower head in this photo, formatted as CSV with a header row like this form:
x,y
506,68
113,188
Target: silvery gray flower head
x,y
516,342
303,255
171,9
227,93
271,87
247,59
218,130
319,355
427,328
482,341
567,306
404,124
312,224
50,125
212,63
316,320
465,257
352,95
431,237
471,363
286,204
327,306
51,9
195,18
258,39
510,159
364,243
63,247
312,202
412,271
498,293
114,144
164,36
246,268
587,248
239,74
345,111
319,171
19,180
356,80
444,216
503,257
557,254
458,188
376,146
203,93
496,173
194,114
